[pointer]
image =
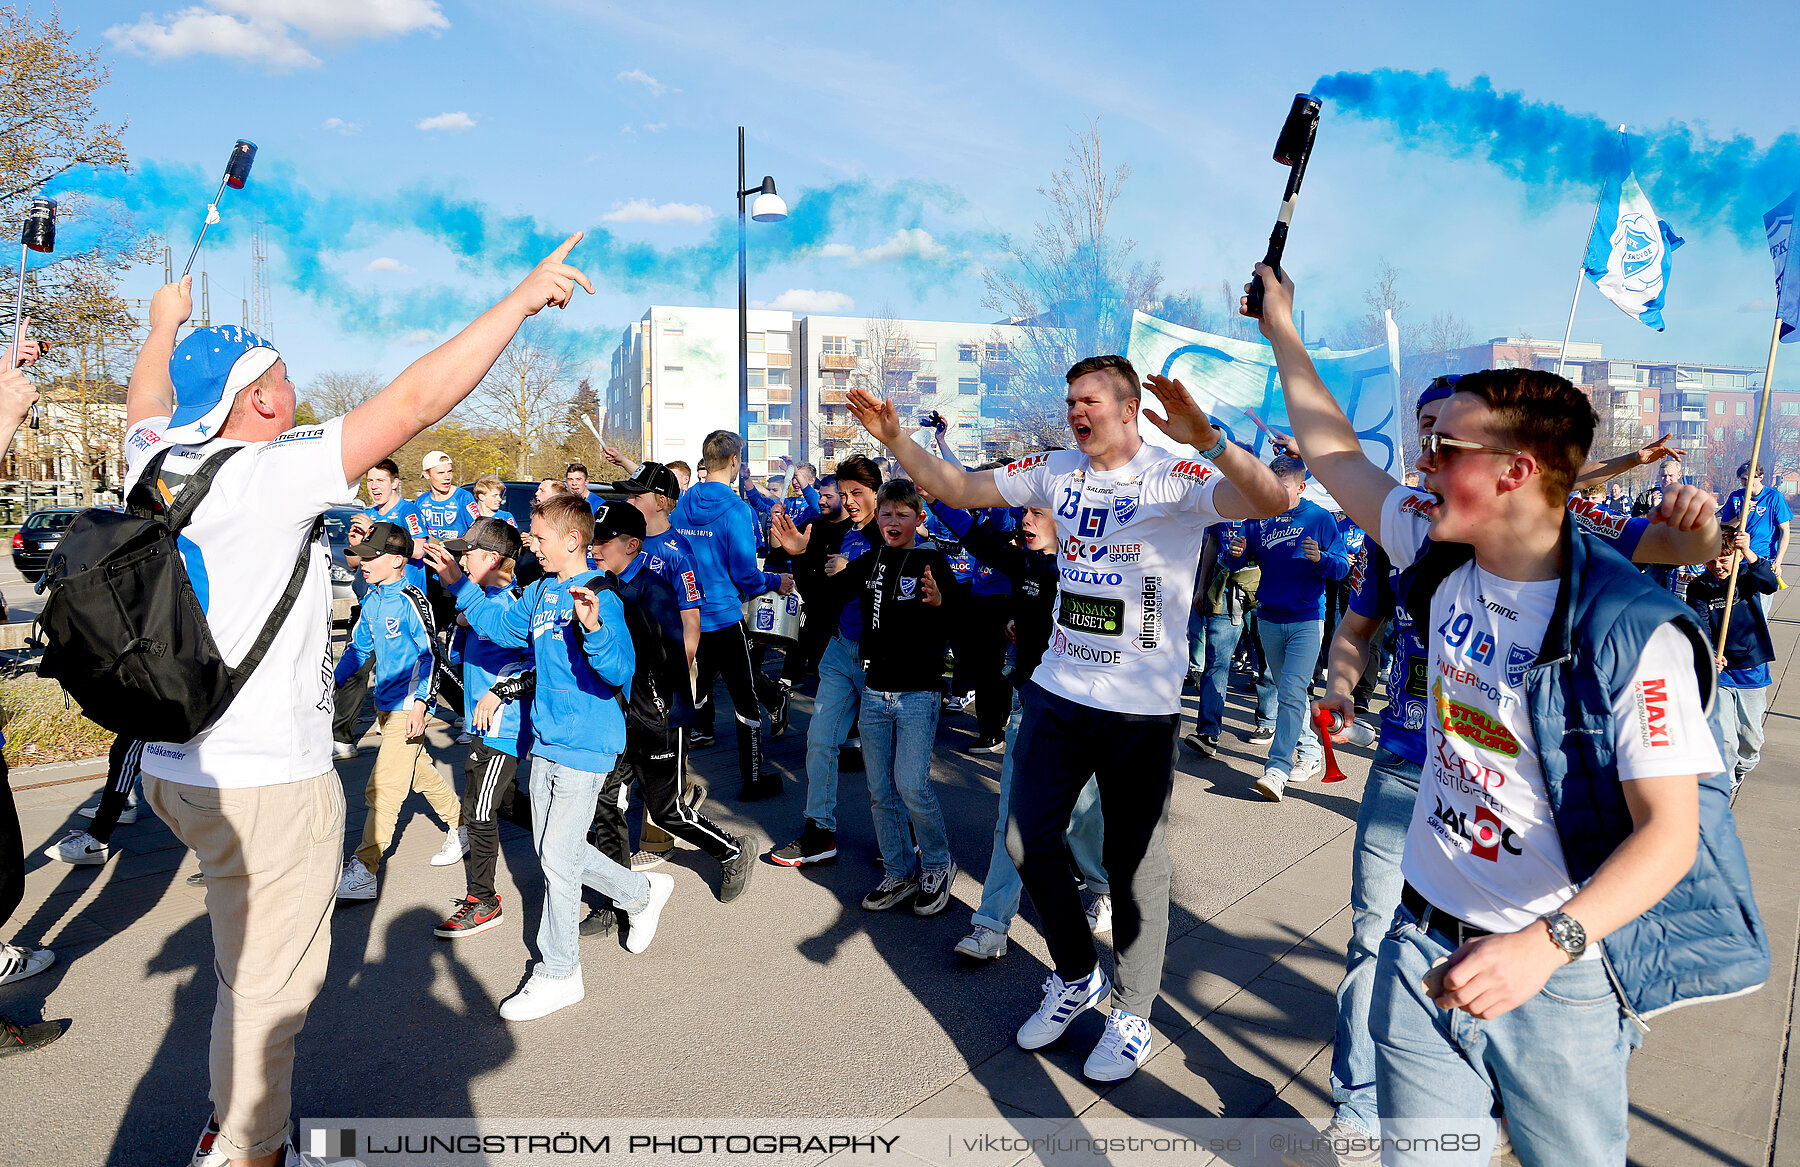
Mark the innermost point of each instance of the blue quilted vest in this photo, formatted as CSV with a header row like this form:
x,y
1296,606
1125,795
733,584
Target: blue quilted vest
x,y
1705,939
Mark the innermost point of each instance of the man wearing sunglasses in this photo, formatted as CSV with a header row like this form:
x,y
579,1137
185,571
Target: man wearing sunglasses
x,y
1569,777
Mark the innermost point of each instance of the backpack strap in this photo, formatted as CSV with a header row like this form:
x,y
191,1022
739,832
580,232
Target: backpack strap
x,y
278,617
179,512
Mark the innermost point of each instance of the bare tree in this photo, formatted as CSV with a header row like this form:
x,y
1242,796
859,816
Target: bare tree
x,y
525,396
336,393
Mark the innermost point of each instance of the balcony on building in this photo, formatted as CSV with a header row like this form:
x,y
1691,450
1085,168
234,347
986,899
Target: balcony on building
x,y
836,362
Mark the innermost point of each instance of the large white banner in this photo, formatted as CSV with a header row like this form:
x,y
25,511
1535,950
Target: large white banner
x,y
1231,379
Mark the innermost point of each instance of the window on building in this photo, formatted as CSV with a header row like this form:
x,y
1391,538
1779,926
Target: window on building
x,y
925,350
1718,433
968,386
1740,409
1649,431
753,343
778,342
1790,435
1742,433
1790,409
780,377
927,386
1649,405
999,351
898,347
1718,407
757,378
860,346
968,352
837,346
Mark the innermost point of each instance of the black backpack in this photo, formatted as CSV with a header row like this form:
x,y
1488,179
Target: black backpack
x,y
125,634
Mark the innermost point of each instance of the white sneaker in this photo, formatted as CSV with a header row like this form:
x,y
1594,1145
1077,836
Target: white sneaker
x,y
543,996
641,926
126,816
17,963
1063,1002
1099,915
342,751
1306,769
206,1153
79,848
1123,1048
456,845
357,882
1271,784
983,943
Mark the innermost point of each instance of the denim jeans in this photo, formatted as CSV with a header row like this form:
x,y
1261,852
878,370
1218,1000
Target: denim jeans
x,y
834,715
1196,641
1086,835
1557,1063
1387,804
1222,634
1740,714
1291,651
562,810
897,734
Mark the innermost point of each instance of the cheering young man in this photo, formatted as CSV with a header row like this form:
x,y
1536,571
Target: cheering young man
x,y
1105,699
1572,865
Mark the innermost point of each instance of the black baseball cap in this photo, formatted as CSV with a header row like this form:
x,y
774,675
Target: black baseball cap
x,y
652,478
384,539
613,519
488,534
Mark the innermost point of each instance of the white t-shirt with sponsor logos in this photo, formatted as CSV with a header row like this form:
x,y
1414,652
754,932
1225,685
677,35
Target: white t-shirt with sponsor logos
x,y
1483,844
239,550
1128,543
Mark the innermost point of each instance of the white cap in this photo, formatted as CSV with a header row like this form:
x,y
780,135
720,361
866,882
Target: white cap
x,y
433,458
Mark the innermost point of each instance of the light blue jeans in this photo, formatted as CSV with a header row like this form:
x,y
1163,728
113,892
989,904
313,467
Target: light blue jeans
x,y
562,810
1557,1064
1387,805
1222,632
834,715
1292,651
897,734
1196,639
1001,889
1740,716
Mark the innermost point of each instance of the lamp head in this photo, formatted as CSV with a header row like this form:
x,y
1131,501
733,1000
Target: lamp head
x,y
768,206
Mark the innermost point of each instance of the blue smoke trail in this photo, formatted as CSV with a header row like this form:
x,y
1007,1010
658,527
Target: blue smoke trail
x,y
310,227
1695,180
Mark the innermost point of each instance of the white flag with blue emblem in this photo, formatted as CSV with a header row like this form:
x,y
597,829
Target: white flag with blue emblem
x,y
1628,252
1783,250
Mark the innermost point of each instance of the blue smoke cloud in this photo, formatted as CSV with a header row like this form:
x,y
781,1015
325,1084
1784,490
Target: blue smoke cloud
x,y
310,227
1697,182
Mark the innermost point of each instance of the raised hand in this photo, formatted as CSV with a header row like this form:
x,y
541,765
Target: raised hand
x,y
172,304
17,395
1658,450
929,586
551,282
792,539
1186,421
879,417
1278,302
444,563
587,607
28,350
1685,507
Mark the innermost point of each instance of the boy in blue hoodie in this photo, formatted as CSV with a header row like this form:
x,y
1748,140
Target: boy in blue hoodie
x,y
395,628
721,529
582,652
1300,550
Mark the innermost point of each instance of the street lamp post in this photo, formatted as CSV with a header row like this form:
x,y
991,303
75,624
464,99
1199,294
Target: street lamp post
x,y
767,208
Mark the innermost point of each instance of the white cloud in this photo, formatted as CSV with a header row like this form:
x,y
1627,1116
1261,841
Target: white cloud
x,y
457,121
264,30
908,243
419,336
645,211
195,30
639,77
340,126
655,127
807,300
386,263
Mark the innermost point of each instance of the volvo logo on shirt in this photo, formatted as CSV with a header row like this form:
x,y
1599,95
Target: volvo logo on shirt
x,y
1083,575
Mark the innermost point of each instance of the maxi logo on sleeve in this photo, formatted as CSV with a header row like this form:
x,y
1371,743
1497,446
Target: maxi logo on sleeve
x,y
1092,615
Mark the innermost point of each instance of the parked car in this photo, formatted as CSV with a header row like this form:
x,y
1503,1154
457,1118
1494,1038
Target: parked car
x,y
37,537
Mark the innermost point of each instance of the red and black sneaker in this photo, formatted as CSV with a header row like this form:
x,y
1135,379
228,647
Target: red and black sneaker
x,y
472,915
18,1037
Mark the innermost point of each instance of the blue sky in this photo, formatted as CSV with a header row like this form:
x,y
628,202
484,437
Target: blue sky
x,y
925,130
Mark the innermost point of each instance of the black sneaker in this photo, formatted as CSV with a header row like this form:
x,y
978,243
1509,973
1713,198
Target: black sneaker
x,y
1262,733
735,872
699,739
600,922
21,1037
815,845
891,893
1206,745
989,745
472,915
778,717
934,891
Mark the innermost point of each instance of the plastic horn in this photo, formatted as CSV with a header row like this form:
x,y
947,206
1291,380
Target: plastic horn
x,y
38,234
237,173
1292,149
1325,720
593,429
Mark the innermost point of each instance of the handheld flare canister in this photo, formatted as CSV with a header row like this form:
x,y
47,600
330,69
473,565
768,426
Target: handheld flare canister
x,y
237,172
38,234
1292,150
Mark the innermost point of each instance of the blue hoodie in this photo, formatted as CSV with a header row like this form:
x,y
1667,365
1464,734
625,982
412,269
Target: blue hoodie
x,y
575,714
1293,586
395,627
720,529
485,662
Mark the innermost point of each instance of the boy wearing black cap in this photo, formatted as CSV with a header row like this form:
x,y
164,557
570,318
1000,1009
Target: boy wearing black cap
x,y
396,628
487,553
659,712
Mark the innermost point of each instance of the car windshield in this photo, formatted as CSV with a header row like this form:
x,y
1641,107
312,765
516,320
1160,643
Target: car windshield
x,y
49,520
337,525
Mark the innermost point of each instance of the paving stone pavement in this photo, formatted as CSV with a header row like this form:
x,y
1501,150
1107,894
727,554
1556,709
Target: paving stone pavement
x,y
793,1001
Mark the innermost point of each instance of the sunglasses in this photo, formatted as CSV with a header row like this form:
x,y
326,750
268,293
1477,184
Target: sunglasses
x,y
1433,445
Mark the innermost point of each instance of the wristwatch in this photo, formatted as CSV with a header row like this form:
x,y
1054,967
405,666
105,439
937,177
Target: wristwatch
x,y
1567,932
1213,453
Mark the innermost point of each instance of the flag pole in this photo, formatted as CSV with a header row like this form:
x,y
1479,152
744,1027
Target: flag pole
x,y
1581,273
1762,419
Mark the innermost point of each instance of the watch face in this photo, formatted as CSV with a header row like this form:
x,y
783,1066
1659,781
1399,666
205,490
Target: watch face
x,y
1568,933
